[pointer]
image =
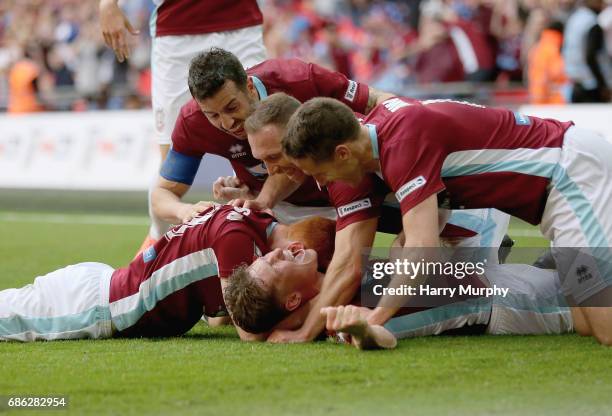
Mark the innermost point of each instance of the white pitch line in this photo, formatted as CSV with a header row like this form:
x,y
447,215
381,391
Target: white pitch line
x,y
89,219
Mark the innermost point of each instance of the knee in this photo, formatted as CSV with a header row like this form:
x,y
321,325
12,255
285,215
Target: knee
x,y
604,338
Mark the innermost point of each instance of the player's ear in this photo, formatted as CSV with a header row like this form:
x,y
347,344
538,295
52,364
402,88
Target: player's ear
x,y
250,85
342,152
293,301
295,246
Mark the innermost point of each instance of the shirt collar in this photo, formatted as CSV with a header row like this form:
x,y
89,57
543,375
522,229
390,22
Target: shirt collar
x,y
260,87
373,140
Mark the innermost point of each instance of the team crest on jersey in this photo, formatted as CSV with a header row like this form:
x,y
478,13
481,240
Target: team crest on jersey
x,y
521,119
149,254
356,206
237,151
351,91
409,187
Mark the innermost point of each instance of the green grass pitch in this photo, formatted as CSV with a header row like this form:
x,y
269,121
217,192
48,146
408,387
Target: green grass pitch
x,y
209,371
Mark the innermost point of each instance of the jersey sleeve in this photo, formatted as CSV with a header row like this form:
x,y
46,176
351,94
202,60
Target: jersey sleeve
x,y
412,157
355,204
181,163
233,250
336,85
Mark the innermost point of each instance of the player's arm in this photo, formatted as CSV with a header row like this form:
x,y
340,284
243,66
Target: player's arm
x,y
341,280
352,320
420,230
176,176
276,188
376,97
114,25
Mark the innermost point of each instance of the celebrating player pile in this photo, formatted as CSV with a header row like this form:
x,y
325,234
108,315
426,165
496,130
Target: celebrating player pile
x,y
468,156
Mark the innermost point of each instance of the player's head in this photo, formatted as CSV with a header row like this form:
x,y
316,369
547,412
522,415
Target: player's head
x,y
225,94
262,294
265,129
316,233
319,140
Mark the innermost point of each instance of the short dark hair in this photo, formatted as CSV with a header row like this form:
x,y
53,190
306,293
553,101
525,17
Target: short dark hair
x,y
252,306
318,127
277,109
209,70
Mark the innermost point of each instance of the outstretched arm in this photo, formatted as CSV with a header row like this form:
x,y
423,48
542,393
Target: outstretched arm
x,y
352,320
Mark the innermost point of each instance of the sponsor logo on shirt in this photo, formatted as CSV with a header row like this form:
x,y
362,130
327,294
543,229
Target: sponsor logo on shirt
x,y
521,119
356,206
236,151
351,91
395,104
409,187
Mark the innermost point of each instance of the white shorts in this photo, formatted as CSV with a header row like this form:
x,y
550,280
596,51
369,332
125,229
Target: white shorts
x,y
170,58
578,214
491,225
534,305
69,303
287,213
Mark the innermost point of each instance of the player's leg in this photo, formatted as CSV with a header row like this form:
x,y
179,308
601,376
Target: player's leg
x,y
490,226
69,303
578,221
533,305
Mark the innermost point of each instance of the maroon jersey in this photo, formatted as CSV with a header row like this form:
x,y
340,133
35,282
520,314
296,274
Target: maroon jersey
x,y
165,290
367,200
472,156
193,17
194,136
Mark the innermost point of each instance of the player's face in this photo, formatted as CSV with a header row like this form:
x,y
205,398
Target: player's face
x,y
266,145
229,107
286,271
333,170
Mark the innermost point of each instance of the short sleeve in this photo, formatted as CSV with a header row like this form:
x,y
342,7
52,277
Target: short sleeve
x,y
355,204
336,85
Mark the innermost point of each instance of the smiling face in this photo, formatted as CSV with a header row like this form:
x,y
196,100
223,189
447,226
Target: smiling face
x,y
229,107
286,273
266,146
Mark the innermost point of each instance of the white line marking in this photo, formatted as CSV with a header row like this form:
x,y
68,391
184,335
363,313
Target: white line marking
x,y
90,219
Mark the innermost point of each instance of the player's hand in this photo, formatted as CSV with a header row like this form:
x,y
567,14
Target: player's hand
x,y
114,25
189,211
282,336
350,319
227,188
253,204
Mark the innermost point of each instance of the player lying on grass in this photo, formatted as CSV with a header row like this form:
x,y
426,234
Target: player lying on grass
x,y
454,154
264,293
362,210
164,291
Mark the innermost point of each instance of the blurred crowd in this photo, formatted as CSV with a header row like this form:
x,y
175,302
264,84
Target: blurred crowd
x,y
561,50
